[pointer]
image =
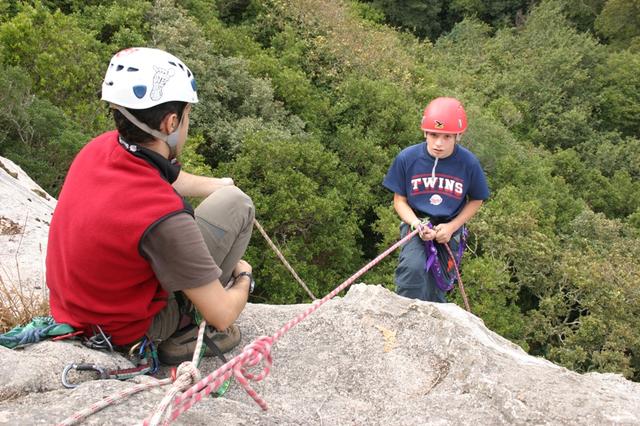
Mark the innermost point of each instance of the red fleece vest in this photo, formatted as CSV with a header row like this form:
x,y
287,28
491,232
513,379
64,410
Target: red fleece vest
x,y
95,273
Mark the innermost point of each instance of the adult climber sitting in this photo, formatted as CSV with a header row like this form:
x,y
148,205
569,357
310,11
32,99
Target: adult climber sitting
x,y
127,256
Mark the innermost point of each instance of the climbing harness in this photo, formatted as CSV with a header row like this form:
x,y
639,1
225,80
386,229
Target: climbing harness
x,y
100,340
437,256
462,292
444,279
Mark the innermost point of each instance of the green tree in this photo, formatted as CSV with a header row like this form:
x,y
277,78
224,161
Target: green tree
x,y
583,13
424,19
599,280
619,23
496,13
538,79
619,106
301,194
610,152
64,61
233,104
36,134
378,109
118,24
493,296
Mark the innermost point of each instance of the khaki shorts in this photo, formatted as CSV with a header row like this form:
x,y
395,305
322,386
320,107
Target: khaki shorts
x,y
225,219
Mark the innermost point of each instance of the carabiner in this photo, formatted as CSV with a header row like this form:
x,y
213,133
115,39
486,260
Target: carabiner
x,y
104,374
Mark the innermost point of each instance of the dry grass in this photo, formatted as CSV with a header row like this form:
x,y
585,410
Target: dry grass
x,y
19,302
19,306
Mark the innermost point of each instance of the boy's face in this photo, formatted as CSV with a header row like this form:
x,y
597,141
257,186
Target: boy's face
x,y
440,145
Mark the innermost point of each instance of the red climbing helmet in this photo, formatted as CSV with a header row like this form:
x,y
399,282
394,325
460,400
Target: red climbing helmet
x,y
444,115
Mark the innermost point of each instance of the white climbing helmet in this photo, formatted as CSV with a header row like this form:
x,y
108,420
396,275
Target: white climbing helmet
x,y
141,77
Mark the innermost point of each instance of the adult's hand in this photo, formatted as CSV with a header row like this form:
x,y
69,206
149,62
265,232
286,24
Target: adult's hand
x,y
242,266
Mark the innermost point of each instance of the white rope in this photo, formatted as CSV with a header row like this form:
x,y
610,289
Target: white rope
x,y
186,376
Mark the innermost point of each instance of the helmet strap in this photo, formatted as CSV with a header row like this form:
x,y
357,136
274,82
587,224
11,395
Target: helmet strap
x,y
171,139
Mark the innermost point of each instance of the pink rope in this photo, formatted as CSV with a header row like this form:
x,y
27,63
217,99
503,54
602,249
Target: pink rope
x,y
462,292
260,349
112,399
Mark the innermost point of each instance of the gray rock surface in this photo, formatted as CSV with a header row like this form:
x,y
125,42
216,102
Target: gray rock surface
x,y
25,213
370,357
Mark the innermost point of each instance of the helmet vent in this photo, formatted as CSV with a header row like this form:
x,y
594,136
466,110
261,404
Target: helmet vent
x,y
132,69
109,83
173,63
120,67
139,91
188,73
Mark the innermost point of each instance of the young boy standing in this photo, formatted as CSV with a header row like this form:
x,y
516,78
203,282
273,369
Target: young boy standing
x,y
440,182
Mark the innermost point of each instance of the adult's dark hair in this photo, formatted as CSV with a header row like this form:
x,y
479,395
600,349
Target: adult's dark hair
x,y
150,116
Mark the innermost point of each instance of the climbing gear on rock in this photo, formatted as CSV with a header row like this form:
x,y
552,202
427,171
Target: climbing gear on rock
x,y
143,355
181,378
37,329
99,341
174,403
102,373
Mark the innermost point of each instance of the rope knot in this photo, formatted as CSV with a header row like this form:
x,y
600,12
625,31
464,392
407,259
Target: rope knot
x,y
186,375
258,350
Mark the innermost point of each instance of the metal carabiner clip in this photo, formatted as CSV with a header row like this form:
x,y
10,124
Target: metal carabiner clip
x,y
104,374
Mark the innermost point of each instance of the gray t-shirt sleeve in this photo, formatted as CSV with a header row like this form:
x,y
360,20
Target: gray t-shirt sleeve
x,y
178,254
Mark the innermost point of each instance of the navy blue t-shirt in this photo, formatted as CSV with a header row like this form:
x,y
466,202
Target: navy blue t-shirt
x,y
439,194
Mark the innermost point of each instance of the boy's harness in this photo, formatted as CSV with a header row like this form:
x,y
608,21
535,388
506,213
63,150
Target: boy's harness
x,y
438,256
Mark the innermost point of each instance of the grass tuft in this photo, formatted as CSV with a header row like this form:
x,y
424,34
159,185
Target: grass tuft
x,y
19,306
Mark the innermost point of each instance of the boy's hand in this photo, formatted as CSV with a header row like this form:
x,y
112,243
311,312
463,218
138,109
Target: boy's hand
x,y
424,232
444,231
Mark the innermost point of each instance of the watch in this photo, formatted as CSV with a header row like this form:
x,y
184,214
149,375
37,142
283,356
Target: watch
x,y
252,283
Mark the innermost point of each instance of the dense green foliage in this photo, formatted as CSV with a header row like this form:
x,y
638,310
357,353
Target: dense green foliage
x,y
305,103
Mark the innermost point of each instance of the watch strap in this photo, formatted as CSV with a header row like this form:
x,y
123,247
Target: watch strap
x,y
252,283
